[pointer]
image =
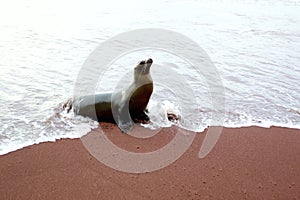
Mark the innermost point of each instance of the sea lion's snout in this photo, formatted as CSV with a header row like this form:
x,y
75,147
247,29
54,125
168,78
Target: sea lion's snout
x,y
149,60
149,63
143,62
143,67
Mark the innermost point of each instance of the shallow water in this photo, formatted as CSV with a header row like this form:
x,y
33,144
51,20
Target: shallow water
x,y
254,45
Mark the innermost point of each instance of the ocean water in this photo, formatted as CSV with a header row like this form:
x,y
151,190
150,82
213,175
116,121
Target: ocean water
x,y
254,45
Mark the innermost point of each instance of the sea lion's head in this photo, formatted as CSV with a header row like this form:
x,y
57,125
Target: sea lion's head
x,y
142,69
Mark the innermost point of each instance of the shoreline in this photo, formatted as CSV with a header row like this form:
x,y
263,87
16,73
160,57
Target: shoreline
x,y
53,140
246,163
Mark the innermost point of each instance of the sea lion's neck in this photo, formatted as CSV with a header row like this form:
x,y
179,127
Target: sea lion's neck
x,y
143,78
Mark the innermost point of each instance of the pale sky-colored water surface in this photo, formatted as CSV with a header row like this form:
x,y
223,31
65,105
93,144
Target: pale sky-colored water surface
x,y
255,45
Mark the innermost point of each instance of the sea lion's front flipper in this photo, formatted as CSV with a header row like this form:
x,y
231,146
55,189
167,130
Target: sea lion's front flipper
x,y
121,114
142,118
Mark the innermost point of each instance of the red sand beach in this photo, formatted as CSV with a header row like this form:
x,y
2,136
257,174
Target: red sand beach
x,y
246,163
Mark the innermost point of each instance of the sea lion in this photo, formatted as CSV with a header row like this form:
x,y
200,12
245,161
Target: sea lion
x,y
124,107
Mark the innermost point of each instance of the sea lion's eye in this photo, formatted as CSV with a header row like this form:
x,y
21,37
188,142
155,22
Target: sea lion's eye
x,y
142,62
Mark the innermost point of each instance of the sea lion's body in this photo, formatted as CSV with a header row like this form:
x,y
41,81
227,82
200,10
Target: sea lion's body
x,y
99,103
121,107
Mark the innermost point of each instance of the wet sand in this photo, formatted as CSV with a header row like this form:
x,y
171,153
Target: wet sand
x,y
246,163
